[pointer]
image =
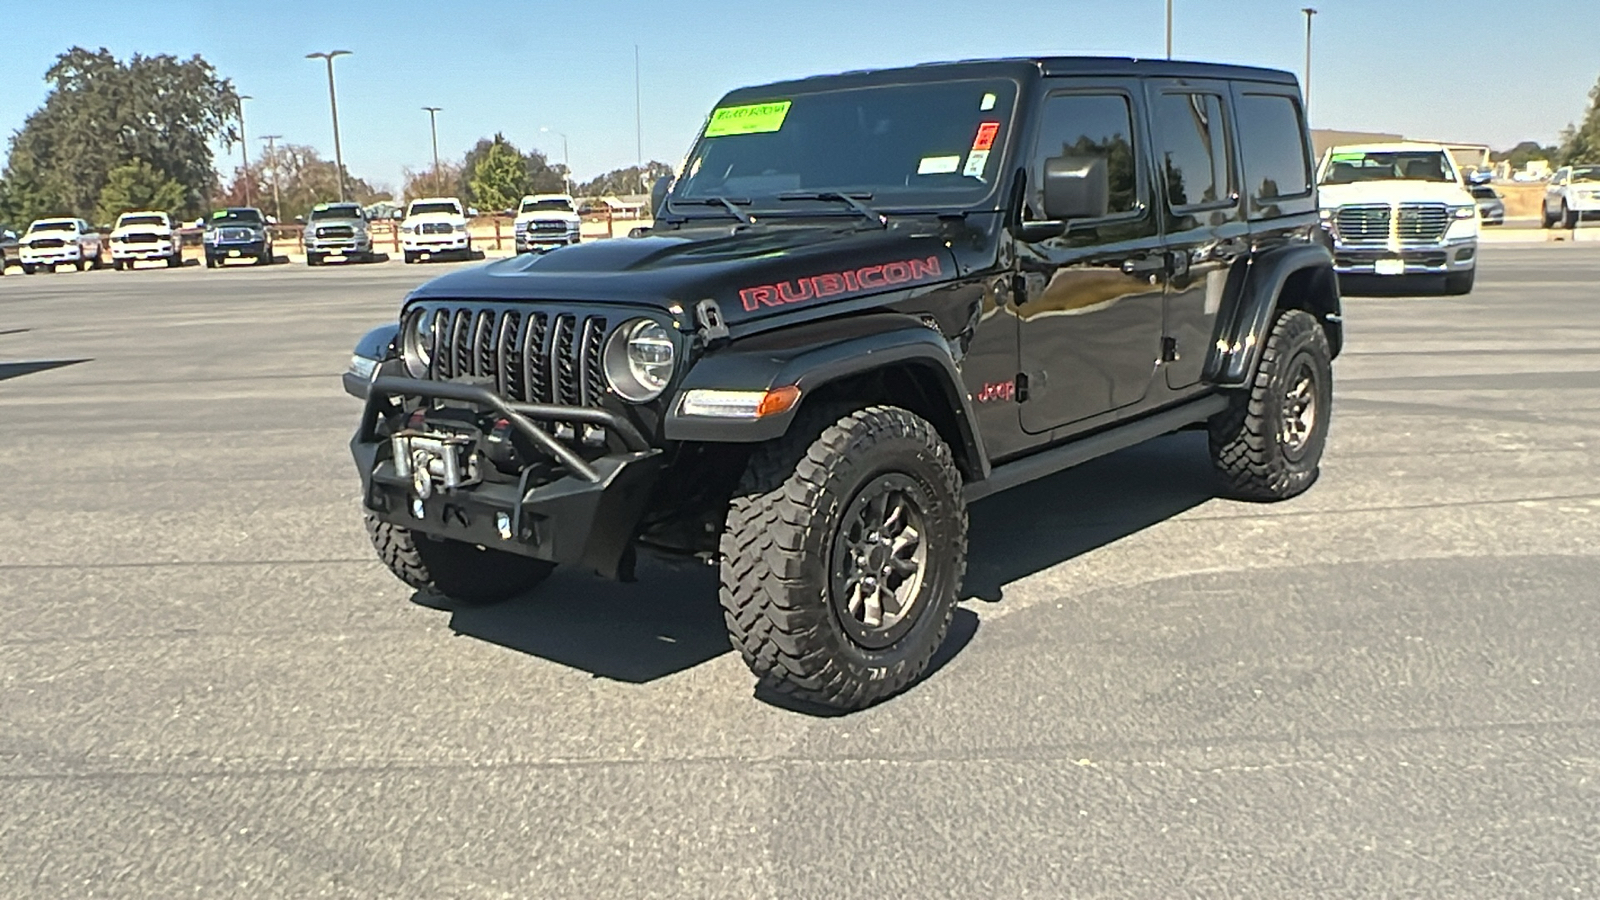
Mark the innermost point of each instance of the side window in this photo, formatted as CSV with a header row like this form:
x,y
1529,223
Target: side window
x,y
1090,125
1194,149
1276,162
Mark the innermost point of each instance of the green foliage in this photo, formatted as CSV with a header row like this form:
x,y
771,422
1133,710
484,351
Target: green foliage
x,y
304,180
1524,153
631,180
1581,143
419,183
540,177
136,185
499,179
102,114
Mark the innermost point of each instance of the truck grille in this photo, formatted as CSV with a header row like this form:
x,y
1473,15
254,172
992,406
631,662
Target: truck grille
x,y
1364,224
47,242
141,237
522,355
237,236
336,231
1422,223
549,227
435,228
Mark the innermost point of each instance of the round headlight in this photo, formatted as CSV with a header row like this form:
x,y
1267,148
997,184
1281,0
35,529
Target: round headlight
x,y
639,359
416,342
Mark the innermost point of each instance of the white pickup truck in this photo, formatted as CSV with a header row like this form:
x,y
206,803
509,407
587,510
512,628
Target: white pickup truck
x,y
546,222
144,235
435,226
50,242
1399,210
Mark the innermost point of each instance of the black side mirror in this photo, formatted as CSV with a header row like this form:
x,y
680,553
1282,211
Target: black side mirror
x,y
1076,187
658,196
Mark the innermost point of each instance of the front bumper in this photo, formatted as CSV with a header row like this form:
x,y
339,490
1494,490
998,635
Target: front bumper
x,y
237,250
141,250
1430,259
339,246
545,241
436,243
581,511
46,256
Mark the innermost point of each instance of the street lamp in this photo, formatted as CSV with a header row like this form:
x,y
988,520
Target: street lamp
x,y
333,103
1309,11
244,148
433,126
566,159
272,156
1169,29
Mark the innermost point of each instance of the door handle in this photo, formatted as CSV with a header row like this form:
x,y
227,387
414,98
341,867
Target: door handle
x,y
1154,264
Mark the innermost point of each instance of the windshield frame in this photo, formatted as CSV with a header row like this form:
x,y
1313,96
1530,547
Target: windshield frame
x,y
679,207
141,220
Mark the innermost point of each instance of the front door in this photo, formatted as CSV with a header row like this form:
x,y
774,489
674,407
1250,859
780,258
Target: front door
x,y
1090,302
1205,224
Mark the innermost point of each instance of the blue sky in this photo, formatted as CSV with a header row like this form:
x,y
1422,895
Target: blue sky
x,y
1460,70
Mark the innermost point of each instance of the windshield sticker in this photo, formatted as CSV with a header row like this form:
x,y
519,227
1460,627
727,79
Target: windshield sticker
x,y
819,287
220,214
757,118
938,165
986,135
989,101
976,163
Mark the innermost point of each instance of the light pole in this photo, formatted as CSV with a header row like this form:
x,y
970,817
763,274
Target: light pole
x,y
566,158
244,149
433,126
333,103
272,156
1309,11
1169,29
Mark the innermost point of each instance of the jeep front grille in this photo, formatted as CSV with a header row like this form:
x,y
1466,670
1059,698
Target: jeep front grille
x,y
525,356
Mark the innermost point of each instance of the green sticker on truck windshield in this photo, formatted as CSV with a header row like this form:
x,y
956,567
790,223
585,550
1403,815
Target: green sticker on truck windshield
x,y
757,118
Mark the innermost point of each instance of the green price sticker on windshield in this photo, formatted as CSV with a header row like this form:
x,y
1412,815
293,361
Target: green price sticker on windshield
x,y
757,118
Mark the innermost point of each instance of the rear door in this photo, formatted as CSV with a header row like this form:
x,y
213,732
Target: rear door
x,y
1198,168
1090,302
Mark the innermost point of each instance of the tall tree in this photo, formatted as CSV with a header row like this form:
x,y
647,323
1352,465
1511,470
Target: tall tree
x,y
1581,143
304,180
540,177
102,113
137,185
419,183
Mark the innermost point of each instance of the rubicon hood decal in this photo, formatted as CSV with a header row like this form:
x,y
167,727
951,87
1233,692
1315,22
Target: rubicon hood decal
x,y
832,284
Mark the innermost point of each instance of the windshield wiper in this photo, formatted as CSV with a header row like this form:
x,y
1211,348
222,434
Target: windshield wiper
x,y
851,200
731,204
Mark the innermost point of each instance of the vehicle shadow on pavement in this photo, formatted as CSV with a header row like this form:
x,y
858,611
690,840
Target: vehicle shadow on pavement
x,y
19,369
669,620
1055,519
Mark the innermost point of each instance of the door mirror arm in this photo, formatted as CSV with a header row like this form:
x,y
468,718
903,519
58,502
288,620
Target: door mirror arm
x,y
1034,232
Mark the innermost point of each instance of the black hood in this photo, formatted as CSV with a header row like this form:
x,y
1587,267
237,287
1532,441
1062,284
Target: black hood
x,y
750,273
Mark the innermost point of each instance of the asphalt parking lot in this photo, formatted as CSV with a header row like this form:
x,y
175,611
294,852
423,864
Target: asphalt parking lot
x,y
209,687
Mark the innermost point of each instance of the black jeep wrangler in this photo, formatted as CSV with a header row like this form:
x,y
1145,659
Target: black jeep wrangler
x,y
868,300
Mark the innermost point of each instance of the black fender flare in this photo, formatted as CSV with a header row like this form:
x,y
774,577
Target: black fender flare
x,y
1247,312
816,354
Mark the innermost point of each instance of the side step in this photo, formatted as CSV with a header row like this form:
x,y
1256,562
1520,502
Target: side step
x,y
1080,451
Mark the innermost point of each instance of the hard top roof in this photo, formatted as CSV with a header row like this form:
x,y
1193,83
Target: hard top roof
x,y
1047,66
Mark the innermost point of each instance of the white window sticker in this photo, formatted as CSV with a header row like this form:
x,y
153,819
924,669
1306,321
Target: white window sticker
x,y
988,102
938,165
975,164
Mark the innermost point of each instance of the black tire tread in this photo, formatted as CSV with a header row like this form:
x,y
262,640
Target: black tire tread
x,y
461,572
1243,445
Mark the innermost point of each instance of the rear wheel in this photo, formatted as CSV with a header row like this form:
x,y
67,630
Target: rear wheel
x,y
1268,444
843,555
465,573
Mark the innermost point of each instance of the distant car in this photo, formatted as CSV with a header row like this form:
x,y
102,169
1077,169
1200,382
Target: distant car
x,y
51,242
434,226
145,236
237,232
1491,207
1572,196
10,249
546,222
337,231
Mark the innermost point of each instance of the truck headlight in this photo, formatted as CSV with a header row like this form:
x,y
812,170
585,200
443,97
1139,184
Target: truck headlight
x,y
1464,212
639,359
416,343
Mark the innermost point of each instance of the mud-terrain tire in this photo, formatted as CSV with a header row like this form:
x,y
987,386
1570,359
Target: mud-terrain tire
x,y
1267,445
462,572
802,542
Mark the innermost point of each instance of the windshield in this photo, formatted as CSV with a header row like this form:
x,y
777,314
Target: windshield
x,y
129,221
1586,173
336,212
905,145
54,225
235,217
556,205
1404,165
425,209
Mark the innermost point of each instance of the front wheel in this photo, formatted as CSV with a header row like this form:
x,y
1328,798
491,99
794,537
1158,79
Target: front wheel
x,y
1569,219
175,261
465,573
29,270
1267,445
843,555
1459,284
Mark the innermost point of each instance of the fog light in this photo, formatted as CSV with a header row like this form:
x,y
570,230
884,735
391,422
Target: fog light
x,y
417,509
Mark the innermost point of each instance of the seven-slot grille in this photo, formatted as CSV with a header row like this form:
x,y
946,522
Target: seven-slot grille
x,y
1364,224
549,227
527,356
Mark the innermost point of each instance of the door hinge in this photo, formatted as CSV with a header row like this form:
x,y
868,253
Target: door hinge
x,y
1169,349
1022,387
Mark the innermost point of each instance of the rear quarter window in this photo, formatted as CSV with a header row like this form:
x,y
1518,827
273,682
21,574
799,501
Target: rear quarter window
x,y
1277,160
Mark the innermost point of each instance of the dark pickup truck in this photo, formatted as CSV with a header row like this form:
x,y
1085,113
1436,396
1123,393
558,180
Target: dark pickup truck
x,y
867,300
